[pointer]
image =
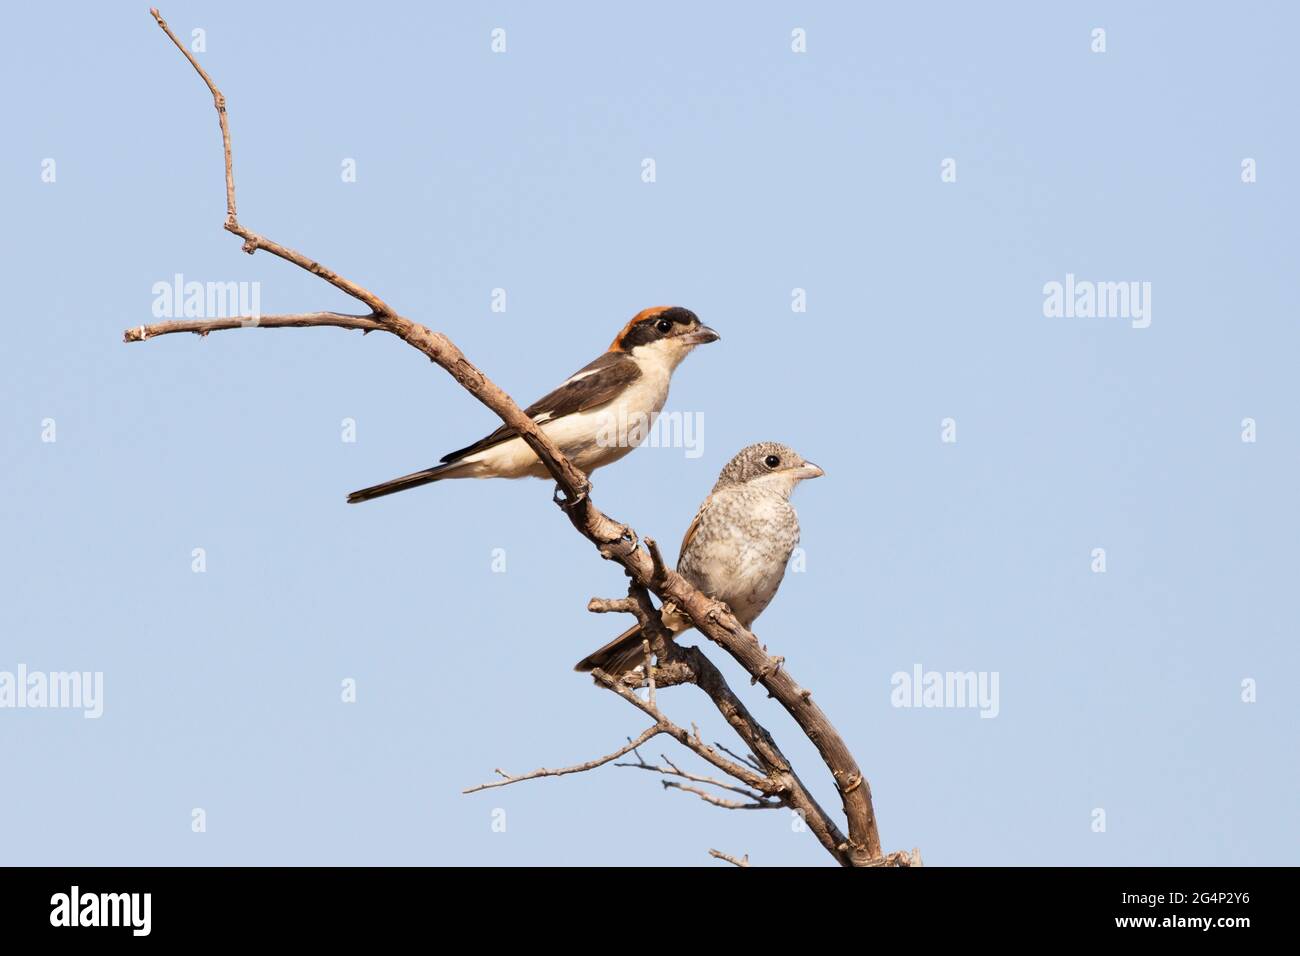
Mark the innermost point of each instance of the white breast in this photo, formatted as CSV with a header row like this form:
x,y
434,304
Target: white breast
x,y
591,439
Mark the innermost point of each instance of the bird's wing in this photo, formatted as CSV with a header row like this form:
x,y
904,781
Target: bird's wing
x,y
592,385
690,532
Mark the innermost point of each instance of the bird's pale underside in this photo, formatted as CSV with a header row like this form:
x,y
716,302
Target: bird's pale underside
x,y
736,549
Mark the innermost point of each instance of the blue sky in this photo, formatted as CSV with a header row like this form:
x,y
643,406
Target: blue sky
x,y
1120,691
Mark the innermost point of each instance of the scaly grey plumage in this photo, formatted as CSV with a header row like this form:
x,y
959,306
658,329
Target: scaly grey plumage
x,y
735,550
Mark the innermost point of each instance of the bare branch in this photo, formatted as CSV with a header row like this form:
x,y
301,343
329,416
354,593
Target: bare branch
x,y
718,624
219,101
747,759
658,570
614,541
722,801
689,665
768,755
651,731
301,320
757,800
688,740
715,620
438,347
627,605
253,241
743,862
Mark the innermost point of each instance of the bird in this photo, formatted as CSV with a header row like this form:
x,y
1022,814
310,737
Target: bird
x,y
596,416
734,551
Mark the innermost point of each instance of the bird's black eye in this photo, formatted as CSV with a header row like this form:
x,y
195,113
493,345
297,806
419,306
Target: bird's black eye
x,y
664,325
771,461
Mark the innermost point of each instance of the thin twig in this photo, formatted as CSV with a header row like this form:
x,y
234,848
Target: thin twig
x,y
756,801
743,862
722,801
253,241
651,731
658,569
301,320
748,760
219,101
687,740
672,770
689,665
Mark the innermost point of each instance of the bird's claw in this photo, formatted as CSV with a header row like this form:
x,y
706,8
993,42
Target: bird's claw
x,y
561,498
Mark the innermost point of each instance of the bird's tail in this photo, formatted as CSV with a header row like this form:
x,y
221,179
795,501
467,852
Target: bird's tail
x,y
436,473
622,654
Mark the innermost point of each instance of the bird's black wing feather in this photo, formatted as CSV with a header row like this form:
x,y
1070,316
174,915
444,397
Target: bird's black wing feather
x,y
592,385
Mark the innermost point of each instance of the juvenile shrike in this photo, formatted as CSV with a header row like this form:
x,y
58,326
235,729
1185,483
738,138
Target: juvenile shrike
x,y
735,550
596,416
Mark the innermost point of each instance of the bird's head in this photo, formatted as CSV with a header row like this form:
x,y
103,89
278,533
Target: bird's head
x,y
768,465
666,333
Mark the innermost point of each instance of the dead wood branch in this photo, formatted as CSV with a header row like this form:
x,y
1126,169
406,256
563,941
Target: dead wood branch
x,y
753,801
507,779
614,541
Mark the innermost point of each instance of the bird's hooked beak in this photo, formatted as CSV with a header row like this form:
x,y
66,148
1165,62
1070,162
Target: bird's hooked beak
x,y
701,336
808,470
